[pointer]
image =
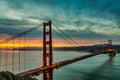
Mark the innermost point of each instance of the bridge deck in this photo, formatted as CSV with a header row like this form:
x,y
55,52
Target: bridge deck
x,y
38,71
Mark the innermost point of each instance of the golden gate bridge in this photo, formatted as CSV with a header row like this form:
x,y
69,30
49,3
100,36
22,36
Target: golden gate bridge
x,y
39,46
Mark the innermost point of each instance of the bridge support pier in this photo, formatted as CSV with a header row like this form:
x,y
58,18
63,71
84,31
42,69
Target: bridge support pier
x,y
47,50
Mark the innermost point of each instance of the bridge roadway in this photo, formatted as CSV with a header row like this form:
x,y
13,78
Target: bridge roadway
x,y
37,71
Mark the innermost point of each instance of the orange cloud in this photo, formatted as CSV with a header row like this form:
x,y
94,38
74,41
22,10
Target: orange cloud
x,y
57,42
38,42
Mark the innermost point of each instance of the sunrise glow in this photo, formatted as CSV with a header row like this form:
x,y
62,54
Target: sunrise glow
x,y
37,42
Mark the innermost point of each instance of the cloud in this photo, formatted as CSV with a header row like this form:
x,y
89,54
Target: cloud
x,y
12,31
9,22
85,19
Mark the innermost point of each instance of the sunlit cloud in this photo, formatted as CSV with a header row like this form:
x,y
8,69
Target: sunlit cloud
x,y
77,18
57,42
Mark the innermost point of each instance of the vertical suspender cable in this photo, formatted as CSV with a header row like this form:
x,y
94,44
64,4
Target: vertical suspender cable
x,y
6,58
13,58
19,53
25,53
0,58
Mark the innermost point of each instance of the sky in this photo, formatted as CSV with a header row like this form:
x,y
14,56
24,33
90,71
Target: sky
x,y
90,21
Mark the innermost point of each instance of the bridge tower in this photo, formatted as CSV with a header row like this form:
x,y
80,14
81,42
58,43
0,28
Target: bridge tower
x,y
47,50
110,43
111,50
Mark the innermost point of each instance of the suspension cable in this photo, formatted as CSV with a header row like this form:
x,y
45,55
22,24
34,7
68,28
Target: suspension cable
x,y
20,34
63,37
66,35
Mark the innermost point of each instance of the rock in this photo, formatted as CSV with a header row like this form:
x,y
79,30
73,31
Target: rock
x,y
6,75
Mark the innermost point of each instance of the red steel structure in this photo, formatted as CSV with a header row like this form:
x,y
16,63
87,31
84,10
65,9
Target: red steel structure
x,y
47,50
110,49
110,43
48,66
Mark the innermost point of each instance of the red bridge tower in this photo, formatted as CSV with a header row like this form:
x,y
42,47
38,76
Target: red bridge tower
x,y
110,49
47,50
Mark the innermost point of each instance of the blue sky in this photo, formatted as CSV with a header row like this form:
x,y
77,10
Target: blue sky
x,y
86,19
